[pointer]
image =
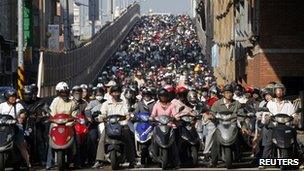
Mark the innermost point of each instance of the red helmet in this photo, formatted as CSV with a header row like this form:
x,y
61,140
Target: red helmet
x,y
249,89
180,89
169,88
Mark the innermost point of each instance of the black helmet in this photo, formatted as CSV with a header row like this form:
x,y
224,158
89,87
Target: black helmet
x,y
239,88
10,93
147,91
279,86
265,91
77,89
163,92
228,87
34,88
28,90
115,88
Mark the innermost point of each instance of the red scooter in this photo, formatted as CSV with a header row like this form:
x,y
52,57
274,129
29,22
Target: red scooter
x,y
61,137
81,131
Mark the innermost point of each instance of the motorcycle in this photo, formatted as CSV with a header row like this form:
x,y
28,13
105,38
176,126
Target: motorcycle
x,y
163,137
284,137
143,136
81,131
37,125
115,147
7,134
189,140
227,138
61,137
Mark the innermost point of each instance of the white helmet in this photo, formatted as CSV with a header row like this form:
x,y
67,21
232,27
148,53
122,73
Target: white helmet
x,y
62,86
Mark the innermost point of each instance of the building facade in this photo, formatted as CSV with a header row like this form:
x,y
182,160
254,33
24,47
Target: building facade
x,y
254,42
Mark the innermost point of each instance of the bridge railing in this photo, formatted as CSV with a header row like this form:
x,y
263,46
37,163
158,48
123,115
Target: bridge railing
x,y
83,65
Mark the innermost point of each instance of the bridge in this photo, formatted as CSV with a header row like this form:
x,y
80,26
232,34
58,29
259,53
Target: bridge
x,y
83,65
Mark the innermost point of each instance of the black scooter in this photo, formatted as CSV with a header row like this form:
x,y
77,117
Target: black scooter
x,y
189,140
162,142
115,146
226,135
284,137
7,134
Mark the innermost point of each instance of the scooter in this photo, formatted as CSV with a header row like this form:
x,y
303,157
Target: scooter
x,y
227,138
7,134
81,131
61,137
163,138
284,137
143,136
115,147
189,140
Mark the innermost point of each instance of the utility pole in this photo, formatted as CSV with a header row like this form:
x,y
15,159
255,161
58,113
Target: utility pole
x,y
112,9
21,73
42,23
66,23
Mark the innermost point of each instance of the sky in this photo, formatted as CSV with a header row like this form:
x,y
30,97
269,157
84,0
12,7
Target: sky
x,y
167,6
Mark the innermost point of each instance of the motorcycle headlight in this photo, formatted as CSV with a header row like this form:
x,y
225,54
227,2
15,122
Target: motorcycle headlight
x,y
164,120
145,118
81,121
225,117
61,121
187,118
274,141
282,120
164,129
113,120
9,137
9,122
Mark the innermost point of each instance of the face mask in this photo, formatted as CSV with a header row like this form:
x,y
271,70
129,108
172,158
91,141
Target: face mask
x,y
77,97
65,98
99,98
116,97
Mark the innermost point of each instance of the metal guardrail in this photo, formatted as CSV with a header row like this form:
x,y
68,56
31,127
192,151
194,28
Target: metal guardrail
x,y
83,65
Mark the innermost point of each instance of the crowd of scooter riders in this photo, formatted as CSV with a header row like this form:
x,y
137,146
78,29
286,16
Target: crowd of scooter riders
x,y
156,99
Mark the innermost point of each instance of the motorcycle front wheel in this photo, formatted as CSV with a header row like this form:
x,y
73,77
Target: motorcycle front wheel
x,y
114,160
60,160
2,162
194,155
228,157
165,158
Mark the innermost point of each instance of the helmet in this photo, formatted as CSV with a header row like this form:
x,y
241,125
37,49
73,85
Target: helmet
x,y
239,87
163,92
228,87
111,83
28,90
115,88
77,89
192,96
265,91
213,90
10,93
249,89
181,89
279,86
34,88
100,85
169,88
84,86
146,91
62,86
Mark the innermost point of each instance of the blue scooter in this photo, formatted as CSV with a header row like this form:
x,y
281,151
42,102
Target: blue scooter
x,y
143,135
